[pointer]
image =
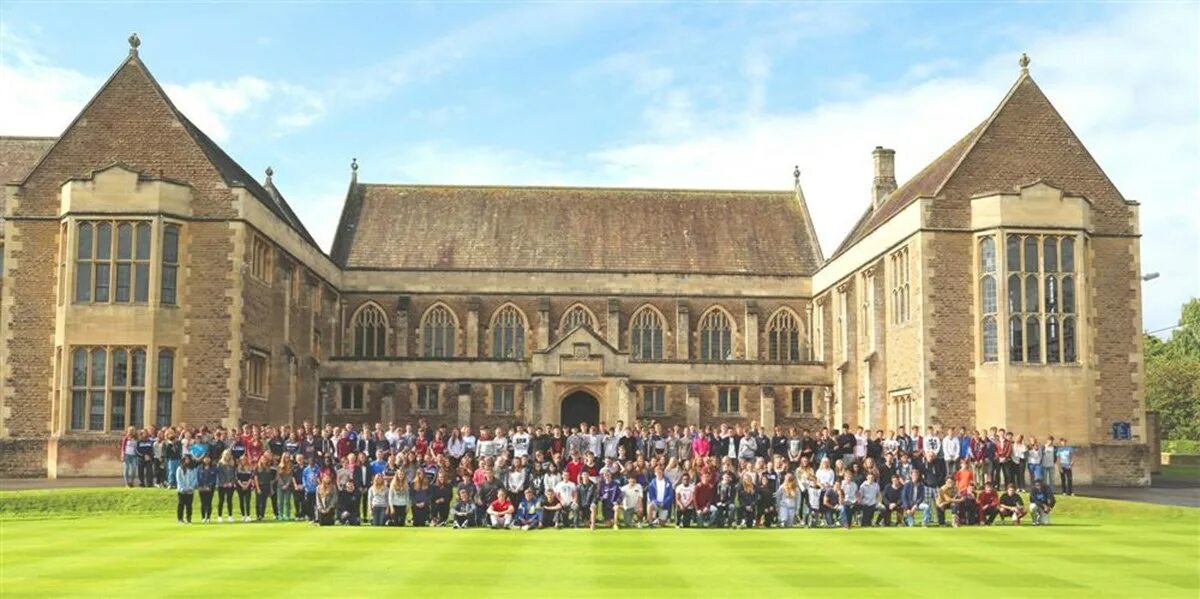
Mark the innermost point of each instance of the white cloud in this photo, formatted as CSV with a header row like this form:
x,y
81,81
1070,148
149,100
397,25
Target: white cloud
x,y
41,99
1127,86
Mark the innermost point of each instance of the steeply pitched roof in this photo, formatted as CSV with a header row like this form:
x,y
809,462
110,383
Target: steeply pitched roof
x,y
229,170
18,155
1023,140
437,227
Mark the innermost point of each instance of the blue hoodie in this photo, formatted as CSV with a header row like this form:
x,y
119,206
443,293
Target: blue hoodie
x,y
311,474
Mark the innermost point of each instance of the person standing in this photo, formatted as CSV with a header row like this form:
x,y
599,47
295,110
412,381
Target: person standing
x,y
129,456
325,499
1048,454
398,499
185,483
226,482
206,481
284,484
172,453
264,488
421,499
1065,455
245,483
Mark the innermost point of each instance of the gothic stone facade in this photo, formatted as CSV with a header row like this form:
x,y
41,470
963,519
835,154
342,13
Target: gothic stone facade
x,y
148,279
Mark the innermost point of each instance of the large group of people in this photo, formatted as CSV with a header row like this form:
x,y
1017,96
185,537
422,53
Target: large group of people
x,y
642,475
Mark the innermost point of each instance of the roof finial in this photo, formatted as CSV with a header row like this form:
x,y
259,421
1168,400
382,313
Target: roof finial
x,y
796,174
134,42
354,170
1024,62
270,172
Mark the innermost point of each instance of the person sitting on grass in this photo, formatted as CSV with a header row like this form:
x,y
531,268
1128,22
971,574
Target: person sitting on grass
x,y
1011,506
631,504
325,499
500,511
1041,503
529,513
463,510
348,499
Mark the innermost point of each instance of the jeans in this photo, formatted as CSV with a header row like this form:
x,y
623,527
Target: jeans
x,y
260,504
243,502
378,515
847,514
1048,476
1068,481
172,466
206,504
184,506
283,502
1039,515
787,515
145,468
130,471
224,498
868,515
923,510
399,515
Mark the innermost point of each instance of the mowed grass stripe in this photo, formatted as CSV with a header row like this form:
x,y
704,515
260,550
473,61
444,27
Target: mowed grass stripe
x,y
1092,551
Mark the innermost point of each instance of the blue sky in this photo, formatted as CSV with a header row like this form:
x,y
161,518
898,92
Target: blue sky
x,y
663,94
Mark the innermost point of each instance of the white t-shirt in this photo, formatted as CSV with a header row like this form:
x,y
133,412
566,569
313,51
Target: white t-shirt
x,y
631,496
686,495
565,490
520,443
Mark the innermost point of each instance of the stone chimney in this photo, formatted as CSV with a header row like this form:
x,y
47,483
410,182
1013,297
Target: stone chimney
x,y
885,174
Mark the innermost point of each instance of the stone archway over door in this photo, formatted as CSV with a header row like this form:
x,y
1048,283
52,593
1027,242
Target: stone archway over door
x,y
578,407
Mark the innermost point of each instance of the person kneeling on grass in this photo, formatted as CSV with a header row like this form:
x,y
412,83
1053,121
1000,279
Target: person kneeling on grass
x,y
463,510
500,511
185,482
947,500
989,505
325,502
553,511
660,495
1041,503
348,499
529,513
1011,506
631,504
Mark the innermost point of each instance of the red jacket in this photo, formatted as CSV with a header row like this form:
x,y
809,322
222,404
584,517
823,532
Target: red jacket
x,y
705,496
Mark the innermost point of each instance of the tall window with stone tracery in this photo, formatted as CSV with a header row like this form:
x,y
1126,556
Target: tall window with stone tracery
x,y
1041,298
987,298
437,333
783,337
370,332
508,334
716,336
646,335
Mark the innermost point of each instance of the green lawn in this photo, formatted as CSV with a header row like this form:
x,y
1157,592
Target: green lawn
x,y
116,542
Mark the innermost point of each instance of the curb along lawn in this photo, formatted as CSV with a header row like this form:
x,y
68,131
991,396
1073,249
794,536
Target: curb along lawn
x,y
106,542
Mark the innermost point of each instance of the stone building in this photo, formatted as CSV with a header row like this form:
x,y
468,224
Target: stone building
x,y
148,279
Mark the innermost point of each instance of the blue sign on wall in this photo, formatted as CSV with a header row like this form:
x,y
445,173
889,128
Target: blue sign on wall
x,y
1122,431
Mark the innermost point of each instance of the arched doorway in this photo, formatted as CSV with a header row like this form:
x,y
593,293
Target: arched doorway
x,y
578,407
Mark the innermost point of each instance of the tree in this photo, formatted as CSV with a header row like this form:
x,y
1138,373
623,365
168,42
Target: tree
x,y
1173,377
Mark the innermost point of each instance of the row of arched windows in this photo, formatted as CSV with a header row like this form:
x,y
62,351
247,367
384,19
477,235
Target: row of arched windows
x,y
369,333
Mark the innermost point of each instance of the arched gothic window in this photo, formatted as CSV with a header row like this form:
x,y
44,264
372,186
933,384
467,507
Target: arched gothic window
x,y
577,316
783,336
437,333
370,332
716,336
646,335
508,334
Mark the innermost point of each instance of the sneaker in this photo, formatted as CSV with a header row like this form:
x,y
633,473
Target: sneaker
x,y
181,521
